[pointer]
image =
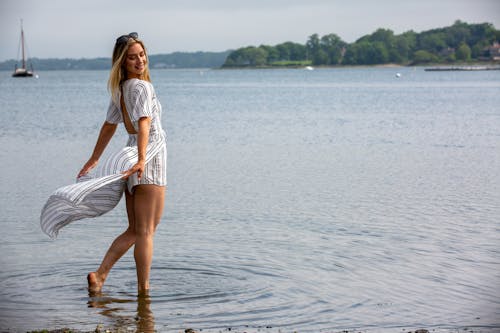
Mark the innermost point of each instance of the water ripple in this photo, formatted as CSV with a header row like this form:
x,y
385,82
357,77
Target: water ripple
x,y
338,199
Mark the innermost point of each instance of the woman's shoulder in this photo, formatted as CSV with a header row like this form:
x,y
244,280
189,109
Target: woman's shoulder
x,y
138,86
132,83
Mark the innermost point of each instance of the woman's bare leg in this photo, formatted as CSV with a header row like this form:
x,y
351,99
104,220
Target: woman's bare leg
x,y
117,249
148,208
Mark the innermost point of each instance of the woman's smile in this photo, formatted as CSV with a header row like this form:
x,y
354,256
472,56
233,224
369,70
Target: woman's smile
x,y
135,62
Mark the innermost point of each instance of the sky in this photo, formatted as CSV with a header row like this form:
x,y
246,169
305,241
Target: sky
x,y
88,28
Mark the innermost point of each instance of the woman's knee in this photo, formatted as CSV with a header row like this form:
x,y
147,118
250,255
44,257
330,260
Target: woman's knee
x,y
145,230
130,234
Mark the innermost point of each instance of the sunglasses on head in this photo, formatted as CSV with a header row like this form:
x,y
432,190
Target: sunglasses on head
x,y
125,38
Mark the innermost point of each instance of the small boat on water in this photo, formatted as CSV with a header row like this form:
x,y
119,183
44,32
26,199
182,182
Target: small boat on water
x,y
23,71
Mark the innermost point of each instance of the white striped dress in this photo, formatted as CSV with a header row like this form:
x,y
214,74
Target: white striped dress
x,y
100,191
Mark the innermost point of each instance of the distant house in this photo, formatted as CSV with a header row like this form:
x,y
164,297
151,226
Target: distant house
x,y
494,51
446,52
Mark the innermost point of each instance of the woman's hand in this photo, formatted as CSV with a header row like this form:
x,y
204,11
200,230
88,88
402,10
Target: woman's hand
x,y
142,142
138,167
107,131
91,163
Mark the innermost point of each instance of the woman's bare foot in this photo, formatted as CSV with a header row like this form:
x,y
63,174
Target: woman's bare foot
x,y
95,282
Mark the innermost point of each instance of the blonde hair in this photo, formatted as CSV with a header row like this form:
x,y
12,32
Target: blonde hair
x,y
118,73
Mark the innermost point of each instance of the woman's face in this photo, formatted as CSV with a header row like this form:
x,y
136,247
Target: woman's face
x,y
135,61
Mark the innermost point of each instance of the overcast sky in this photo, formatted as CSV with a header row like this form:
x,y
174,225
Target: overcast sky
x,y
88,28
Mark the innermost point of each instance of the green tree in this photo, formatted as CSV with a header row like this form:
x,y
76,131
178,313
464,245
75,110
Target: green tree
x,y
479,49
297,51
451,57
384,36
320,58
312,46
257,56
404,46
463,52
272,53
484,32
458,33
283,51
247,56
351,55
367,53
423,56
379,53
432,42
332,46
410,38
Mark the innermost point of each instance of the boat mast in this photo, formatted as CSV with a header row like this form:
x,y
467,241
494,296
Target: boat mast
x,y
22,44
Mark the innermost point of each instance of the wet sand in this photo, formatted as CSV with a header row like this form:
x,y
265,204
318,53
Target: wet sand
x,y
101,329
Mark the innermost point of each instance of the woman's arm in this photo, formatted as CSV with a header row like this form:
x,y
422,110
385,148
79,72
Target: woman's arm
x,y
105,135
144,124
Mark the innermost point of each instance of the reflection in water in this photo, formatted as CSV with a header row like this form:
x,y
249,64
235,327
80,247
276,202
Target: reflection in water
x,y
112,308
145,318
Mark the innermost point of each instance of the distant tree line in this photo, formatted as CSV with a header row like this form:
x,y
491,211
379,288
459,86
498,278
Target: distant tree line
x,y
171,60
188,60
459,42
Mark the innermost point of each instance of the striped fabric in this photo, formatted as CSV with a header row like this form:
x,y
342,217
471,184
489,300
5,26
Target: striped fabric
x,y
140,101
155,172
93,195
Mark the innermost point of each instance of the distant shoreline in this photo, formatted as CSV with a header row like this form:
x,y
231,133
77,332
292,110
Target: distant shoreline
x,y
474,65
488,64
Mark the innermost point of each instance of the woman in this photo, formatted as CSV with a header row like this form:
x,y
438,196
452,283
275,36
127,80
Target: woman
x,y
133,102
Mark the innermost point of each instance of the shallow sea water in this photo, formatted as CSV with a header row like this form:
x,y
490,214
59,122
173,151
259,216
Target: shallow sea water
x,y
310,201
